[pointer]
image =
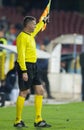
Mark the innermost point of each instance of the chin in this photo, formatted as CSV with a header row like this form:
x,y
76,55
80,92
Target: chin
x,y
32,31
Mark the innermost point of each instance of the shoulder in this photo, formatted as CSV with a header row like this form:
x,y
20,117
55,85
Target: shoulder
x,y
22,35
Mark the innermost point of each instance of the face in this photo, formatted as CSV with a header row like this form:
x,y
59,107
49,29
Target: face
x,y
31,26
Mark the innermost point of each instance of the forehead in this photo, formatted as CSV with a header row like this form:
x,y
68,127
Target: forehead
x,y
32,22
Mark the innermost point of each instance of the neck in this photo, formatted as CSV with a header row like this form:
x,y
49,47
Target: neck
x,y
26,31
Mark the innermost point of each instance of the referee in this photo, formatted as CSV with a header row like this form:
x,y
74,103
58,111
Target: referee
x,y
28,71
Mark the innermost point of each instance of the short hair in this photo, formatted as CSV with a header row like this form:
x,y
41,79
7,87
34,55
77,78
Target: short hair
x,y
27,19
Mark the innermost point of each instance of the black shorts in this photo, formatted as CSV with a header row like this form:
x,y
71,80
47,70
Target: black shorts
x,y
33,76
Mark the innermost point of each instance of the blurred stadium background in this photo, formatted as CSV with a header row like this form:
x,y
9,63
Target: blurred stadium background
x,y
63,38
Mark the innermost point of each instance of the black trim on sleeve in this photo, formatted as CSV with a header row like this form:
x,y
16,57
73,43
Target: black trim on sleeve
x,y
24,71
44,21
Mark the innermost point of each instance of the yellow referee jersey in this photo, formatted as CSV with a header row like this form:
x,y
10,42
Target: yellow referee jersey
x,y
26,47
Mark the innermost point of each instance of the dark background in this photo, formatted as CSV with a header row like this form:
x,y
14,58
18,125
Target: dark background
x,y
66,5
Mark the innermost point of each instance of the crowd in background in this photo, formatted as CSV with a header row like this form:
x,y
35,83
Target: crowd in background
x,y
8,31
